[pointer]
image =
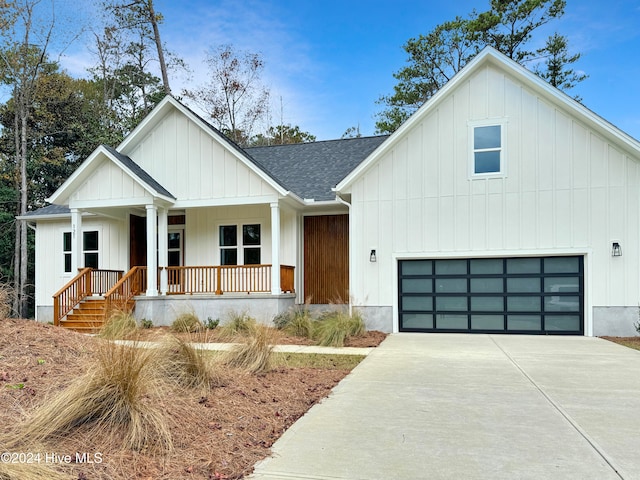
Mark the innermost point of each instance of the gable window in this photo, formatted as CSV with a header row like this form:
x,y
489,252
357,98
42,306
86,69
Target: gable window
x,y
240,245
487,149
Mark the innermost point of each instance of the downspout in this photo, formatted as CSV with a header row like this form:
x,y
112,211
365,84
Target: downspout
x,y
348,205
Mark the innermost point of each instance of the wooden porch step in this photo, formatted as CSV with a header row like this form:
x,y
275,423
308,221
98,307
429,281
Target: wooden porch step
x,y
87,317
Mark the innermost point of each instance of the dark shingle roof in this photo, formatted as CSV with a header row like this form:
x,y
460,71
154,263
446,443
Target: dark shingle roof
x,y
311,170
48,210
139,172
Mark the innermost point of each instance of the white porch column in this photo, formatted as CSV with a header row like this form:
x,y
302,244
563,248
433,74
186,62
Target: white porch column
x,y
77,261
275,249
152,244
163,249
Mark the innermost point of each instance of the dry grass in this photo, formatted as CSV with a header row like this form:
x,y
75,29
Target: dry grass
x,y
121,324
254,354
220,434
237,324
187,322
31,471
114,395
335,327
6,294
190,367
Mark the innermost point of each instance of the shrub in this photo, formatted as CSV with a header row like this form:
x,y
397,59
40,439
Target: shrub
x,y
238,324
254,355
111,397
189,366
334,327
144,323
187,323
212,324
119,325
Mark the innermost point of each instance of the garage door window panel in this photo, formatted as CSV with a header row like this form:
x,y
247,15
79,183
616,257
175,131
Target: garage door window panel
x,y
561,322
413,304
487,304
418,320
486,285
451,304
523,285
417,285
451,322
524,322
487,322
451,285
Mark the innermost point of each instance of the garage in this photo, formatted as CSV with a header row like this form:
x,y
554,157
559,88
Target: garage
x,y
526,295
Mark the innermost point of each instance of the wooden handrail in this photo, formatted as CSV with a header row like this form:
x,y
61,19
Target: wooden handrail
x,y
130,285
89,281
187,280
65,299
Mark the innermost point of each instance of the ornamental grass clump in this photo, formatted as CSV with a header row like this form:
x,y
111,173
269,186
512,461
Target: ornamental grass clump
x,y
334,327
254,354
114,398
120,324
188,366
297,322
238,324
187,323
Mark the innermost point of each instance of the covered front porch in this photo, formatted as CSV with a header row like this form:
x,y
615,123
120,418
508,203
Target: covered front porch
x,y
207,290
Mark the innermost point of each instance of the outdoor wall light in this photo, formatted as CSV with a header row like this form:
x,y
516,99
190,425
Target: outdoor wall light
x,y
616,249
372,256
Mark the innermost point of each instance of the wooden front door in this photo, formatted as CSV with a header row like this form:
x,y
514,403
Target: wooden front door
x,y
137,241
326,259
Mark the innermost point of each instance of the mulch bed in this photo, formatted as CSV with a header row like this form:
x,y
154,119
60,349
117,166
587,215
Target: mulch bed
x,y
219,434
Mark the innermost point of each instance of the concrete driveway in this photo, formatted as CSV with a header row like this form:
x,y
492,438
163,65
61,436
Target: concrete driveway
x,y
456,406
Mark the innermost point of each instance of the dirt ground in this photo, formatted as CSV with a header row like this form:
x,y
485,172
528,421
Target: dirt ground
x,y
219,434
631,342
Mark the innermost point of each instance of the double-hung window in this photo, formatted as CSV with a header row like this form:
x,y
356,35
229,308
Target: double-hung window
x,y
90,250
240,244
487,148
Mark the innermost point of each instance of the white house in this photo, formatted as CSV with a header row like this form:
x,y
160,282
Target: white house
x,y
502,205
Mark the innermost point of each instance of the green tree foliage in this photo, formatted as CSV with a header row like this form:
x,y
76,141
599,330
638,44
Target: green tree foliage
x,y
556,68
508,26
282,135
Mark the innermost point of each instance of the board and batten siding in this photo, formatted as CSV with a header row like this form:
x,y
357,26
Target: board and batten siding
x,y
110,183
113,243
566,189
193,165
202,232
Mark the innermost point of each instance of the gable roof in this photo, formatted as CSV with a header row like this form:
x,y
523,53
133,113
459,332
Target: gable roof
x,y
490,55
162,109
311,170
62,194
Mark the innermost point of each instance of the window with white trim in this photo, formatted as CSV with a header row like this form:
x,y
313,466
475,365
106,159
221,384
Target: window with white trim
x,y
487,148
66,249
90,250
240,245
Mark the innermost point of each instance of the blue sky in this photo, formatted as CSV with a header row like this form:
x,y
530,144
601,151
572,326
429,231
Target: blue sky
x,y
331,60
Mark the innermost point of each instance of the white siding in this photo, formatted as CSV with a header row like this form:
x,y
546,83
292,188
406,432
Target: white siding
x,y
192,165
566,189
50,277
110,183
202,238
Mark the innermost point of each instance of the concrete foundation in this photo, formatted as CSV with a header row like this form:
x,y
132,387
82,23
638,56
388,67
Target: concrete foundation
x,y
615,321
163,310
